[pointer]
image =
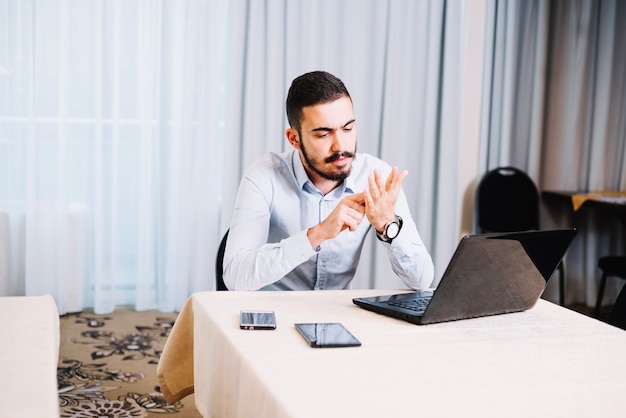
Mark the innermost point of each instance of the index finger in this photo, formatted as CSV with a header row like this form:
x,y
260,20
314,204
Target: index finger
x,y
357,198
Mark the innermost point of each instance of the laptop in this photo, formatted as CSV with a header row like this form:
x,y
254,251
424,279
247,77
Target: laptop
x,y
488,274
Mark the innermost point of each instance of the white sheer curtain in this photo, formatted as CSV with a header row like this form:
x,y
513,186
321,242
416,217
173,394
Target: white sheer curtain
x,y
556,108
125,127
111,145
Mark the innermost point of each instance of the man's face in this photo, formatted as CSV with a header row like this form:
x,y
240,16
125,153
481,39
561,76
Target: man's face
x,y
328,139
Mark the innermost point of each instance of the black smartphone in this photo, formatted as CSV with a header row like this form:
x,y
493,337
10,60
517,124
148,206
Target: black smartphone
x,y
321,335
257,320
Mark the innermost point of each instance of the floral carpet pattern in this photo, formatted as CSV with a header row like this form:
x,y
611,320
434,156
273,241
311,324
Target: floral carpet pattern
x,y
107,366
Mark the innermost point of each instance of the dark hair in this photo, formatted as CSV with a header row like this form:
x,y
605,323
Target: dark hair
x,y
310,89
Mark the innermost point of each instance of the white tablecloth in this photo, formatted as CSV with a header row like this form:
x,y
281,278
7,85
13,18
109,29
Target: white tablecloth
x,y
547,361
29,354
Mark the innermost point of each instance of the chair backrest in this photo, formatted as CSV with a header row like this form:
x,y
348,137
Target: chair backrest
x,y
507,200
219,264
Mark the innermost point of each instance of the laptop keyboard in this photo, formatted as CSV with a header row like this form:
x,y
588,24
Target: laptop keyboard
x,y
417,304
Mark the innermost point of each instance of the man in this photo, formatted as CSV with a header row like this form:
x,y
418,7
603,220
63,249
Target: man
x,y
301,217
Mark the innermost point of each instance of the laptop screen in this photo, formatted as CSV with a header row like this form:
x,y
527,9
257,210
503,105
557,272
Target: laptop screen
x,y
540,247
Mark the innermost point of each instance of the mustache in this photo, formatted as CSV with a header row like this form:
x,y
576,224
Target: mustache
x,y
338,155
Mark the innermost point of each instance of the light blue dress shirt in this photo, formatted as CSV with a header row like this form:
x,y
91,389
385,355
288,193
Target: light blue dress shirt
x,y
268,248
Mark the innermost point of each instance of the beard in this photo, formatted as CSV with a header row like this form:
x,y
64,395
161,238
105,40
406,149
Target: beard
x,y
338,174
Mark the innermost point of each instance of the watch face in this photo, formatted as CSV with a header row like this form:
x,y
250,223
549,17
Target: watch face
x,y
392,230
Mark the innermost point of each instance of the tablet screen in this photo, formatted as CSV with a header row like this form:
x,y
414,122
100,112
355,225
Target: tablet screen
x,y
257,320
320,335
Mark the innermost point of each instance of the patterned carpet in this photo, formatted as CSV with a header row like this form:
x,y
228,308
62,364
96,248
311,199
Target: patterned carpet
x,y
107,366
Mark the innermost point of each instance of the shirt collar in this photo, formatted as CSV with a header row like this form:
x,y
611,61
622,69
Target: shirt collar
x,y
298,169
302,178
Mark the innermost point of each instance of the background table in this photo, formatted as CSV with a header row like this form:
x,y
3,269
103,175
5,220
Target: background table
x,y
548,361
600,218
612,200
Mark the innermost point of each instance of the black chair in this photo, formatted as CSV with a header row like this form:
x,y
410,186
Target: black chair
x,y
219,264
507,200
611,266
618,315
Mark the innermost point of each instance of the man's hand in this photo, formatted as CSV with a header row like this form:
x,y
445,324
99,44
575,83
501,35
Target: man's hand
x,y
347,215
380,198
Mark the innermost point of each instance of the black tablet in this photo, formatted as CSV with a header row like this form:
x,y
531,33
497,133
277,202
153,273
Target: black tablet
x,y
320,335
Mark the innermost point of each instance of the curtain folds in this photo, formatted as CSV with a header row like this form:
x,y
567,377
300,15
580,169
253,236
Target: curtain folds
x,y
557,110
125,126
111,129
517,77
585,128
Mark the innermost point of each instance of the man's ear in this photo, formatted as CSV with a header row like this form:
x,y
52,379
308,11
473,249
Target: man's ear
x,y
293,138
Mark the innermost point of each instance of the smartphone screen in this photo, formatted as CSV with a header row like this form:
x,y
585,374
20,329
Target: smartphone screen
x,y
257,320
320,335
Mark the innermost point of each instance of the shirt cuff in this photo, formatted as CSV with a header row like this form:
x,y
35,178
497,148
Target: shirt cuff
x,y
298,248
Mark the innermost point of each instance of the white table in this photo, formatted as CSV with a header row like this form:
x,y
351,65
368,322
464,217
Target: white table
x,y
29,355
548,361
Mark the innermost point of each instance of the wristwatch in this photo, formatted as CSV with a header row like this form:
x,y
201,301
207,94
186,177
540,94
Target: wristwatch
x,y
391,230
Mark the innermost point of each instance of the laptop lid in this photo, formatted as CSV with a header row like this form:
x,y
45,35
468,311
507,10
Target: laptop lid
x,y
488,274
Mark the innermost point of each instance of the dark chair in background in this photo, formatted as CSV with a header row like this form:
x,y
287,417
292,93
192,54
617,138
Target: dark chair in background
x,y
507,200
618,315
611,266
219,264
